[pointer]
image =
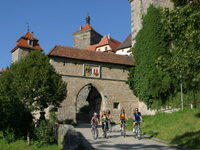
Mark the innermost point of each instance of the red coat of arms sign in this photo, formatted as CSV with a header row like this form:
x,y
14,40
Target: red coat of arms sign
x,y
91,71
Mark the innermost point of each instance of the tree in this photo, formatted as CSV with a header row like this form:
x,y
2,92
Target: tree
x,y
146,80
29,85
179,3
37,82
15,118
182,24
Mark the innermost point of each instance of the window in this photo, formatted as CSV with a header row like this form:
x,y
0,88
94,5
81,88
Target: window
x,y
106,48
116,105
30,43
99,49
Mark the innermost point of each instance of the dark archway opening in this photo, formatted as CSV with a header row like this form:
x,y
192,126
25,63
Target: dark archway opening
x,y
88,101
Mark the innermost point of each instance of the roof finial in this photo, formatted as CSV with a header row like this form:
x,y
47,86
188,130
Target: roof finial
x,y
28,26
88,19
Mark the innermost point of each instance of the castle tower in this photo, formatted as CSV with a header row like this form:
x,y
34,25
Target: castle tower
x,y
86,36
24,46
139,8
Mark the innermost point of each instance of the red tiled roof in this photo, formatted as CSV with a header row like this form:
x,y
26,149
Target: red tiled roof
x,y
81,54
28,35
111,42
3,70
92,47
106,41
23,42
85,28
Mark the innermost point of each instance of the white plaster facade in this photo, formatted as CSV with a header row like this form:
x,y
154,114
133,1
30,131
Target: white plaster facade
x,y
125,51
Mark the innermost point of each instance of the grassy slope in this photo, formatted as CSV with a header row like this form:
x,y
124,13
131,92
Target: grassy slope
x,y
181,128
22,145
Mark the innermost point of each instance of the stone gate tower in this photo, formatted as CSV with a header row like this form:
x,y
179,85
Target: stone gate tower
x,y
139,8
86,36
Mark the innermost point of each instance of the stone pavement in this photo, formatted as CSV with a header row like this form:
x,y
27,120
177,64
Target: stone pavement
x,y
117,142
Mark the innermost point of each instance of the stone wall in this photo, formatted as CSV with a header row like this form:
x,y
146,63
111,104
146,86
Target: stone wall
x,y
111,86
73,67
139,8
82,98
83,39
95,38
111,92
144,111
19,54
15,56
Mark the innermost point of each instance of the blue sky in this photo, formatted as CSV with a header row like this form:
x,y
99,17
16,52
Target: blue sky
x,y
54,21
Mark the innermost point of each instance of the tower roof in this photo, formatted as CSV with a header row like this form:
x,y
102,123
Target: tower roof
x,y
24,42
86,27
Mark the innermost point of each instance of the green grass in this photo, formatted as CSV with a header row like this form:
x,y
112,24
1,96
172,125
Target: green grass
x,y
181,128
22,145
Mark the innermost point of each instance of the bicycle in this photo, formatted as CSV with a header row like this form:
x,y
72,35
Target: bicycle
x,y
138,132
109,126
104,129
123,133
95,132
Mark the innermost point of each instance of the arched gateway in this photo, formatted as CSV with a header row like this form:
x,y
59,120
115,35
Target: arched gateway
x,y
87,72
88,96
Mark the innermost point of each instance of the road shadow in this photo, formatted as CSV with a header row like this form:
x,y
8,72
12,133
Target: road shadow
x,y
103,145
85,144
106,145
189,139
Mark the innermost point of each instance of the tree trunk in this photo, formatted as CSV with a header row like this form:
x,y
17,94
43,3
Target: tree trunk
x,y
28,138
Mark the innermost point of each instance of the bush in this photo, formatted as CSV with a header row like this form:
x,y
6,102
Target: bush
x,y
44,133
9,135
85,109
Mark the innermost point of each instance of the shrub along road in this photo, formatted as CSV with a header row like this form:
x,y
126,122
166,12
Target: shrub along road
x,y
117,142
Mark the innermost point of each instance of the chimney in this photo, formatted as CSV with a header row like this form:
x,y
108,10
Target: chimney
x,y
109,36
81,27
32,33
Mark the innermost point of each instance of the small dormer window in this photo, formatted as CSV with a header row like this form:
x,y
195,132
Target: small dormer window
x,y
30,43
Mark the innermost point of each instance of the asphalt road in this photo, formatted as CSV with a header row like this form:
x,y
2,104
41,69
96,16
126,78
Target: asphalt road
x,y
117,142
